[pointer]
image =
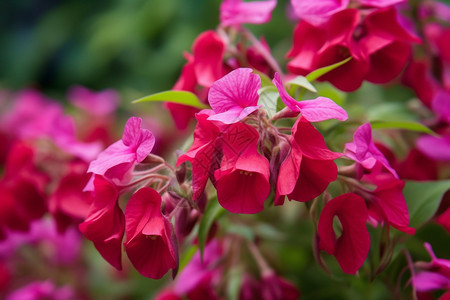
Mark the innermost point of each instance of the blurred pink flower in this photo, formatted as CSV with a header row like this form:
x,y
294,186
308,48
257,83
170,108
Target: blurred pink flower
x,y
39,290
237,12
433,275
100,103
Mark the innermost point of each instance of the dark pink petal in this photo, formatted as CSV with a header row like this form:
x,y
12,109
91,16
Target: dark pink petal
x,y
149,238
390,203
315,176
208,51
235,92
311,141
352,247
444,219
276,287
437,148
202,153
244,188
237,12
394,55
418,76
319,11
441,105
105,223
289,170
308,39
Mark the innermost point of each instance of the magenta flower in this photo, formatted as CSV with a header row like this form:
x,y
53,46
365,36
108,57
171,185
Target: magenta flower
x,y
242,182
364,151
441,105
317,12
237,12
198,272
276,287
434,275
150,243
308,168
100,103
105,223
437,148
42,290
378,44
387,203
352,246
234,96
116,161
316,110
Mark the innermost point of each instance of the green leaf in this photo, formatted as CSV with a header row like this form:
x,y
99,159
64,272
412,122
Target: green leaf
x,y
180,97
186,258
265,80
322,71
303,82
268,97
213,211
423,199
407,125
234,284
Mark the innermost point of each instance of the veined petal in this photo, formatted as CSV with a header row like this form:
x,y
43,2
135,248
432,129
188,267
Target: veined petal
x,y
237,12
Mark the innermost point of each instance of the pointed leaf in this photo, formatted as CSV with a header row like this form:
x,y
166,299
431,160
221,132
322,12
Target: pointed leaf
x,y
322,71
303,82
180,97
407,125
423,199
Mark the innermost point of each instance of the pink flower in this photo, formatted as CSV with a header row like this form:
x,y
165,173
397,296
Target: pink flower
x,y
237,12
198,272
317,12
316,110
116,161
434,275
444,219
364,151
437,148
100,103
242,182
308,167
42,290
105,223
441,105
150,243
352,246
234,96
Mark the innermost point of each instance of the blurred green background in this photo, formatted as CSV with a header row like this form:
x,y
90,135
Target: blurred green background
x,y
123,44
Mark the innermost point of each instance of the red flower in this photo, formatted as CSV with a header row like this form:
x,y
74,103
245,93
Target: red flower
x,y
352,247
378,44
105,224
308,168
150,242
242,182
